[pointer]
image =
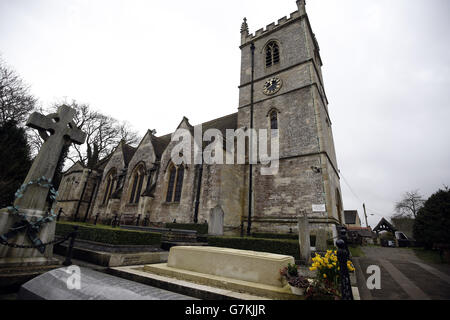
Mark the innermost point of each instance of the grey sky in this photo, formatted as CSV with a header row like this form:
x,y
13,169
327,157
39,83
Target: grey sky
x,y
386,72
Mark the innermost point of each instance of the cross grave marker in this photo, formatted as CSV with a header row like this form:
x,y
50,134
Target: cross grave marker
x,y
57,130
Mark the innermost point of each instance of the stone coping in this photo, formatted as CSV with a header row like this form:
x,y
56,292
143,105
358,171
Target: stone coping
x,y
112,248
233,285
200,291
159,230
237,252
114,259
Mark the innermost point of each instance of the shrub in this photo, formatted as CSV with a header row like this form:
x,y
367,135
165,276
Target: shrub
x,y
432,223
291,236
201,228
285,247
109,235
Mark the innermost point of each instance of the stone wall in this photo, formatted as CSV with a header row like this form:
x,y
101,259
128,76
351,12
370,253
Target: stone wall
x,y
144,155
308,171
75,193
116,163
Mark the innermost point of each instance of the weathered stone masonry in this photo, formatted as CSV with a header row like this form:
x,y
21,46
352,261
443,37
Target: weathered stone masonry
x,y
308,172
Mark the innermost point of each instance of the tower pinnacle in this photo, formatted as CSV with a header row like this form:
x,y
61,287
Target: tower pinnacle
x,y
244,26
301,6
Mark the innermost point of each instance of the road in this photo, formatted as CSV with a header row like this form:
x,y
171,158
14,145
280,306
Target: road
x,y
404,276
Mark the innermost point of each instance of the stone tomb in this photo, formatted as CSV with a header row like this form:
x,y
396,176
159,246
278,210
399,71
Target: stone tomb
x,y
251,272
93,285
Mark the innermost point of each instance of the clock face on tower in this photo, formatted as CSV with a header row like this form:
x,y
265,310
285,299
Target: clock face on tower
x,y
272,86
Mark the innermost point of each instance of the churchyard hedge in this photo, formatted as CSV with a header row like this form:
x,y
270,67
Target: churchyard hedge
x,y
109,235
290,236
201,228
278,246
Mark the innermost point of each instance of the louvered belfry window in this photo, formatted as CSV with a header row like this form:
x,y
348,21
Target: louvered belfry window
x,y
274,120
272,54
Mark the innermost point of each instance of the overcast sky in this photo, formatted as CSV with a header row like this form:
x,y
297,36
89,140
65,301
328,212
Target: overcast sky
x,y
386,71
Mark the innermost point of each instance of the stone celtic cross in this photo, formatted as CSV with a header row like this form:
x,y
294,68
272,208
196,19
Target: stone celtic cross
x,y
57,130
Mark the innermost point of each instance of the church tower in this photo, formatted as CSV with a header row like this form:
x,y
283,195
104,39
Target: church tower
x,y
281,87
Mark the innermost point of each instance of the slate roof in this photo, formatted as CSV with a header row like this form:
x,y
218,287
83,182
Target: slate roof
x,y
160,144
221,124
128,153
101,164
362,231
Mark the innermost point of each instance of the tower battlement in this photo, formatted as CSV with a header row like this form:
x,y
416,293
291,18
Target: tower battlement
x,y
247,37
271,27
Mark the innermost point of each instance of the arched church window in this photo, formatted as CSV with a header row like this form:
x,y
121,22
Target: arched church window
x,y
175,185
137,179
109,186
179,184
172,176
274,120
272,54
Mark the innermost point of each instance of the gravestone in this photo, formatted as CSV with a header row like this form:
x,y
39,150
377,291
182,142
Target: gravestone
x,y
57,131
216,217
321,240
75,283
303,237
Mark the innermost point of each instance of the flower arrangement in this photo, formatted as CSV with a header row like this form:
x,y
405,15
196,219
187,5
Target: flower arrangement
x,y
327,276
298,283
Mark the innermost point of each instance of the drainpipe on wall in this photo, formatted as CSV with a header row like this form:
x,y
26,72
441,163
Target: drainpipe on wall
x,y
93,194
197,196
82,195
250,157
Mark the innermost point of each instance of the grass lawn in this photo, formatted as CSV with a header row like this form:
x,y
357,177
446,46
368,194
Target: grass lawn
x,y
431,256
356,251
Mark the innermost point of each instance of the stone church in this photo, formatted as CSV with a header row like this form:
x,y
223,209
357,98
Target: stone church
x,y
281,87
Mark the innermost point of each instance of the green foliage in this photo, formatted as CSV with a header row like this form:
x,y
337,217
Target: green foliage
x,y
291,236
356,251
432,223
201,228
404,224
14,161
430,256
285,247
109,235
386,235
292,270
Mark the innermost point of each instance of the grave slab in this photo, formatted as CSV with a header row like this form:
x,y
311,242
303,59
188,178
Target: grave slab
x,y
94,285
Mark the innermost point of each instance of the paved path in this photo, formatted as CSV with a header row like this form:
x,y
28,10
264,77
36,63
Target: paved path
x,y
403,276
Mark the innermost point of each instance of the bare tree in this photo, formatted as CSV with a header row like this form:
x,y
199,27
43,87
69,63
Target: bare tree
x,y
410,204
16,102
103,134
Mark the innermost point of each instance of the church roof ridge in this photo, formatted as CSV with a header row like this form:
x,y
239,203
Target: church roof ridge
x,y
228,121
